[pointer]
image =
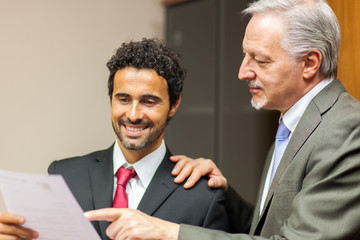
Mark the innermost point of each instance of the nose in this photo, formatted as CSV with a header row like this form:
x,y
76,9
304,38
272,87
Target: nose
x,y
246,71
134,112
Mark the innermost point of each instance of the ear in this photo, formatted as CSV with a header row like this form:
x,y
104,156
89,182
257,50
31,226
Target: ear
x,y
175,107
312,62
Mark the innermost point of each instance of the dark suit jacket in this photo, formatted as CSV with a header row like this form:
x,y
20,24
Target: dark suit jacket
x,y
315,193
91,180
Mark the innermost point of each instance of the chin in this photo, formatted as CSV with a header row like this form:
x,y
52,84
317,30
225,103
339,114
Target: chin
x,y
258,104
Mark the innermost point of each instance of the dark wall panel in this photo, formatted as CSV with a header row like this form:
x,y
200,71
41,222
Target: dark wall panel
x,y
191,31
216,119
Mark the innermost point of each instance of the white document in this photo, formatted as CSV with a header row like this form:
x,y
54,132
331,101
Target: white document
x,y
47,204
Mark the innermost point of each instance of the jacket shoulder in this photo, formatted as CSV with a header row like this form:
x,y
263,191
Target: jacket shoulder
x,y
59,166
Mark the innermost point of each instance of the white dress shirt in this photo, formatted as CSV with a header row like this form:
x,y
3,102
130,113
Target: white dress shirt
x,y
291,119
145,169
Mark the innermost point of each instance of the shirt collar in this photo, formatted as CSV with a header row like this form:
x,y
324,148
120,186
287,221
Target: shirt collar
x,y
145,168
292,117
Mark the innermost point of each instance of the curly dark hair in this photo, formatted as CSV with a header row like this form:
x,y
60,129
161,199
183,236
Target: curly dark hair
x,y
149,54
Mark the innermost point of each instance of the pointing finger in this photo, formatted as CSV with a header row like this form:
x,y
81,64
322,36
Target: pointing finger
x,y
105,214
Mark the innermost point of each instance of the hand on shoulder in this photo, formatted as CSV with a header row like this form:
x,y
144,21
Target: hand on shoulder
x,y
194,169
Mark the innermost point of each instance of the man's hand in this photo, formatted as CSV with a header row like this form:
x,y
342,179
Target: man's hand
x,y
11,227
195,169
131,224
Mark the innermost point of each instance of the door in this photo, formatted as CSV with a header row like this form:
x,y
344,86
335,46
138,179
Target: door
x,y
348,14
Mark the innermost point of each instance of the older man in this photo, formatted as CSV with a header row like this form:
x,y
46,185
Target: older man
x,y
310,184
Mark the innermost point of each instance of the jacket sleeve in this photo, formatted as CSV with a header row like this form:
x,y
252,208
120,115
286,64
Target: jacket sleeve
x,y
229,212
216,215
51,168
239,212
327,206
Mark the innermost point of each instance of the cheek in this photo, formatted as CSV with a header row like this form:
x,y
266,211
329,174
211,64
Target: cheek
x,y
113,112
158,115
280,80
116,112
114,119
272,87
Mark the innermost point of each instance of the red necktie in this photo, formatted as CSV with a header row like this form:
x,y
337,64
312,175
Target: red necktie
x,y
123,177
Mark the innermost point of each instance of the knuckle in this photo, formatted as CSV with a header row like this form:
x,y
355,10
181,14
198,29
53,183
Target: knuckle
x,y
8,229
209,161
180,163
185,161
2,228
196,172
188,166
12,228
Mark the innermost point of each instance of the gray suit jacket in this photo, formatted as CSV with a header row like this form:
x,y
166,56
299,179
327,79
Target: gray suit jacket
x,y
315,193
91,180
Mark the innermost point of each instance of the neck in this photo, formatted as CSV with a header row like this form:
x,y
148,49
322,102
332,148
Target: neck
x,y
132,156
306,87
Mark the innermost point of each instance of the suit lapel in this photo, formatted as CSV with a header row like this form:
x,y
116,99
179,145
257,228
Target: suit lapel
x,y
256,215
306,126
102,184
160,187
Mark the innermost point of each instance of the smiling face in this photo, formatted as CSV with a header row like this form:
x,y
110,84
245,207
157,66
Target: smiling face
x,y
273,76
140,108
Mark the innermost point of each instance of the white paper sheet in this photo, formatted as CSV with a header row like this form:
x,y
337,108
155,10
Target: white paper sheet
x,y
47,204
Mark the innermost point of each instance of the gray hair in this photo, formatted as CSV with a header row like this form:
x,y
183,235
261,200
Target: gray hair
x,y
309,24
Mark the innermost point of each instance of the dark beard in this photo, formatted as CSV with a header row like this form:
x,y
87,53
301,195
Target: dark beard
x,y
150,138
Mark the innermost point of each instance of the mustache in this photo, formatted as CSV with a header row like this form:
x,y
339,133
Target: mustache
x,y
252,83
137,122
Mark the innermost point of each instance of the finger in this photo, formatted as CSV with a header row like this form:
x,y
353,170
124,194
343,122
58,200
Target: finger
x,y
114,231
184,173
194,178
125,228
177,158
198,172
105,214
6,217
202,169
10,226
12,231
178,167
218,182
11,237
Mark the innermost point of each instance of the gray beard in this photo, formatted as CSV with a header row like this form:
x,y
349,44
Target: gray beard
x,y
257,105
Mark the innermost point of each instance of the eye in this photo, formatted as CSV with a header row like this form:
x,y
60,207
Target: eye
x,y
124,100
149,102
261,62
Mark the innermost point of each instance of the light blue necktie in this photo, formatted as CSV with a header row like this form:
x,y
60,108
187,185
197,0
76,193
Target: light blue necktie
x,y
281,141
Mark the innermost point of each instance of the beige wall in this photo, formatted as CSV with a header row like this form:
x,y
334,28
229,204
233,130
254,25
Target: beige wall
x,y
53,96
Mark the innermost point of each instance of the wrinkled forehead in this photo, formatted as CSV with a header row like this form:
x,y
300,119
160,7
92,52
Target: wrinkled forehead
x,y
263,31
262,22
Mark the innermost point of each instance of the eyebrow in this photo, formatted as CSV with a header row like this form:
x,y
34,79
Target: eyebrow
x,y
252,52
258,54
152,96
122,95
143,96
